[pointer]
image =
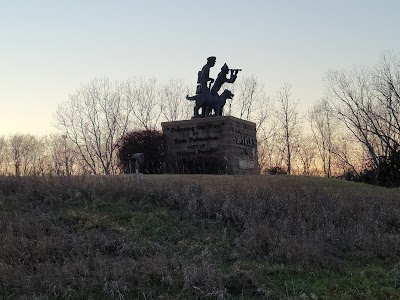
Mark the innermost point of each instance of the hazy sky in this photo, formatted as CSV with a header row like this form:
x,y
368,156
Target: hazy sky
x,y
48,48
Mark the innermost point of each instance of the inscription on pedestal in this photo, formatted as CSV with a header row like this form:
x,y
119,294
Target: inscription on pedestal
x,y
227,141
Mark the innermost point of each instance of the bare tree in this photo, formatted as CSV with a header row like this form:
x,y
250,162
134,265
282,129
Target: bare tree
x,y
144,96
288,123
307,155
25,153
323,126
41,153
93,118
386,80
349,154
59,157
250,101
266,142
367,102
352,103
174,105
4,156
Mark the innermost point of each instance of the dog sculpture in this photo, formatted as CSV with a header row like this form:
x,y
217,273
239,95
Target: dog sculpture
x,y
208,102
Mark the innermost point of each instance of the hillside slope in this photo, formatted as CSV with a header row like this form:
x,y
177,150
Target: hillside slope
x,y
198,237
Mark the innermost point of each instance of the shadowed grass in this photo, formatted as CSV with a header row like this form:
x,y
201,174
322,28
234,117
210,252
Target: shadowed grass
x,y
198,237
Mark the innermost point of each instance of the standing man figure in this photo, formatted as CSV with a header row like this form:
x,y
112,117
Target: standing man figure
x,y
204,76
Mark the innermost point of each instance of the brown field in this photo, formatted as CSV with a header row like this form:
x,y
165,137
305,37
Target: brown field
x,y
198,237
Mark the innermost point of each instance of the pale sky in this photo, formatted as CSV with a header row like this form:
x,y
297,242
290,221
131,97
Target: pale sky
x,y
48,48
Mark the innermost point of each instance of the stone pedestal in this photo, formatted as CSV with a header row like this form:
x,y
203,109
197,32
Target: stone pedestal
x,y
225,145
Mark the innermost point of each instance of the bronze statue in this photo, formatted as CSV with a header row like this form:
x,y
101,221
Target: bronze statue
x,y
210,102
221,79
207,97
204,76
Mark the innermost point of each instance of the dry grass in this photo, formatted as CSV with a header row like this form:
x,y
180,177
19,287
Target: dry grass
x,y
196,237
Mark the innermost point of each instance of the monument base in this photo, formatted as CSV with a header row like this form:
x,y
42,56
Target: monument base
x,y
213,145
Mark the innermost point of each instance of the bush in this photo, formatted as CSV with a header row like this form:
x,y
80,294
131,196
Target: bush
x,y
276,171
386,173
148,142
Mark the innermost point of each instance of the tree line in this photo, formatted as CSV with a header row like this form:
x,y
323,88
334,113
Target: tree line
x,y
353,129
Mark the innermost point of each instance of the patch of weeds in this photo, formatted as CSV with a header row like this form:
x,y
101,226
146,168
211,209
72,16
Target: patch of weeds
x,y
120,212
104,238
214,235
85,220
161,225
288,282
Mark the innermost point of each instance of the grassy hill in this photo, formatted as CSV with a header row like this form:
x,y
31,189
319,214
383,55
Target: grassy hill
x,y
198,237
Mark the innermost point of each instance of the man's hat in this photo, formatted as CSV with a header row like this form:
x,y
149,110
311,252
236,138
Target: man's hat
x,y
225,68
211,58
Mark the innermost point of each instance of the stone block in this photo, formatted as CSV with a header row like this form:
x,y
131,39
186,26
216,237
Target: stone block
x,y
221,144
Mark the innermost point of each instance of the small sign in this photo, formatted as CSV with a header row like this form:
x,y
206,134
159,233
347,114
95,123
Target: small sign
x,y
246,164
